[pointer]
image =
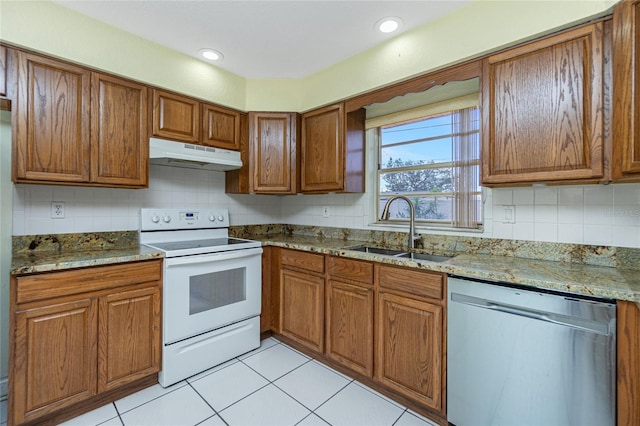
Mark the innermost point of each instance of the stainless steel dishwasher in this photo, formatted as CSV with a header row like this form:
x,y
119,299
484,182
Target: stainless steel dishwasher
x,y
528,357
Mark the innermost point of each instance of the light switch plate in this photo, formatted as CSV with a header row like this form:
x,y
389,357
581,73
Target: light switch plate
x,y
508,214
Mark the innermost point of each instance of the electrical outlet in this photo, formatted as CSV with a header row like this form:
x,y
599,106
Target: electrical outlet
x,y
57,209
325,211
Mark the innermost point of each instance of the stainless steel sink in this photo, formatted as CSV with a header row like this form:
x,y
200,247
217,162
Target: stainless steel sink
x,y
400,253
422,256
378,250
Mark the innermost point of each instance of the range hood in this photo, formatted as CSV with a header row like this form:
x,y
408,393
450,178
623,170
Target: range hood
x,y
180,154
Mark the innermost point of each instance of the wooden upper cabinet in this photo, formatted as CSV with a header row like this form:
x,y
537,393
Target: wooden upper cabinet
x,y
542,108
3,71
322,159
626,90
220,127
332,150
51,121
119,138
175,117
272,141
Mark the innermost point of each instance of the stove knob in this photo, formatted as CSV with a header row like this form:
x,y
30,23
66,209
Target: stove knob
x,y
167,219
221,218
155,219
212,218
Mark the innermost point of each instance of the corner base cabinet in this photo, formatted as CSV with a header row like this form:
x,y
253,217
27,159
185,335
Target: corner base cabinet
x,y
77,334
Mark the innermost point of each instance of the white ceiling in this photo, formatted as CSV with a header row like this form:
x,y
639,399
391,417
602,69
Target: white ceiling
x,y
264,39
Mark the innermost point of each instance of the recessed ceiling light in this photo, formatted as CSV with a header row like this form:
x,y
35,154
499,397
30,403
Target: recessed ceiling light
x,y
388,25
210,54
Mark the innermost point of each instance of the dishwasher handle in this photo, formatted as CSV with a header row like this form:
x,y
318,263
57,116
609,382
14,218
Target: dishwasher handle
x,y
558,319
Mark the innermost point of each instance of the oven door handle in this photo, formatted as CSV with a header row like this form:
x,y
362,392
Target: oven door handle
x,y
212,257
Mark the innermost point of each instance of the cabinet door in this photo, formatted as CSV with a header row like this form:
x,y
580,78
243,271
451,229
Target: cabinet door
x,y
543,110
221,127
51,133
175,117
54,358
273,155
628,368
349,322
409,348
129,344
3,71
626,90
322,161
302,308
119,141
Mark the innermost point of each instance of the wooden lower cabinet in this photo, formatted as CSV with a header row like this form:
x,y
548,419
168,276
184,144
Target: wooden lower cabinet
x,y
409,348
349,324
77,334
302,308
129,330
54,363
628,368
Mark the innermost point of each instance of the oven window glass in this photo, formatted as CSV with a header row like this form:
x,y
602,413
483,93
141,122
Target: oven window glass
x,y
216,289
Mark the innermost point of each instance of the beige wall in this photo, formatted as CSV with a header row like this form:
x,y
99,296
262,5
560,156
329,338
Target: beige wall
x,y
481,26
47,27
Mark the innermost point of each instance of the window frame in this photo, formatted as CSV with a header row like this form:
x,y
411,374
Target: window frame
x,y
441,224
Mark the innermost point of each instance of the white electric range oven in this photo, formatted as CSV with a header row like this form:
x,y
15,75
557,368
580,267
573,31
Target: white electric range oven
x,y
211,289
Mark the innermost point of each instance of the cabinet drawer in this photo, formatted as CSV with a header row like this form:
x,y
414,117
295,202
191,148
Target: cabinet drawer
x,y
350,269
64,283
299,259
419,283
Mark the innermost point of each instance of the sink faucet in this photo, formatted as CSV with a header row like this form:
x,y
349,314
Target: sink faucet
x,y
412,218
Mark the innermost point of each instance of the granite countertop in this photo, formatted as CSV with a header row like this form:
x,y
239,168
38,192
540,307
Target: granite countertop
x,y
47,253
591,280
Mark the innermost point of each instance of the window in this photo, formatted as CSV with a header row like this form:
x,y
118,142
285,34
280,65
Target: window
x,y
434,161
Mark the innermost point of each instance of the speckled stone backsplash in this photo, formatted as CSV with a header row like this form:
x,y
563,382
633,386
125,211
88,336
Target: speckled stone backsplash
x,y
74,242
449,245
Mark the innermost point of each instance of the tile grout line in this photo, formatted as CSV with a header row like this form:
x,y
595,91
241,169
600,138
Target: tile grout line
x,y
399,417
118,413
329,399
215,412
152,399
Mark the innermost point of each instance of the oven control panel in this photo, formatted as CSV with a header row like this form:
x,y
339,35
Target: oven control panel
x,y
174,219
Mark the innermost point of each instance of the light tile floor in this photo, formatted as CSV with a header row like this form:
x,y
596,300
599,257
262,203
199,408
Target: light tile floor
x,y
272,385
